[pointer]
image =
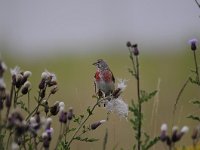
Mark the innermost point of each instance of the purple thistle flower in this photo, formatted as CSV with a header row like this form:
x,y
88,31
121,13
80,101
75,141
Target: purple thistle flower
x,y
193,43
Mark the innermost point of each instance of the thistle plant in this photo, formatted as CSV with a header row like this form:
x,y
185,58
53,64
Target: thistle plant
x,y
144,141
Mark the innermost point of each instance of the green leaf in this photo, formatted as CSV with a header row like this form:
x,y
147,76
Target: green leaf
x,y
131,72
194,81
86,139
194,118
147,96
196,102
151,143
23,106
134,147
89,111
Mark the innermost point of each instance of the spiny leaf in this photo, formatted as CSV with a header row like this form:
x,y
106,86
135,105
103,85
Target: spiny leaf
x,y
23,106
194,118
89,111
147,96
196,102
151,143
86,139
194,81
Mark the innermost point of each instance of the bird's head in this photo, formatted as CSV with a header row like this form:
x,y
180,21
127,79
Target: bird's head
x,y
101,64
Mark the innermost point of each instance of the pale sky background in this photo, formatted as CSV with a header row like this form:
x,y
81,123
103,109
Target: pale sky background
x,y
39,26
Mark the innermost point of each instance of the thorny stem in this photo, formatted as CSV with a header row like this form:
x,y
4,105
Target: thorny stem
x,y
196,67
83,122
139,103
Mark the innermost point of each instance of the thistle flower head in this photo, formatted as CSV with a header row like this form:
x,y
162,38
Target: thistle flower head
x,y
193,44
54,89
117,106
70,113
49,78
61,106
97,124
27,74
135,49
26,87
174,128
128,44
47,123
163,135
163,127
184,129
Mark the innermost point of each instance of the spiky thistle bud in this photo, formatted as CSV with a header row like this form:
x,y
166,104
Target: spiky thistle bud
x,y
163,135
26,74
70,113
19,80
25,87
55,108
54,89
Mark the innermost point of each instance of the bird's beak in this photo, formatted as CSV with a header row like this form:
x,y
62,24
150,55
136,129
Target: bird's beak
x,y
94,64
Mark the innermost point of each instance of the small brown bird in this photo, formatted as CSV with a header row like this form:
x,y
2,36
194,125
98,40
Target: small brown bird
x,y
104,79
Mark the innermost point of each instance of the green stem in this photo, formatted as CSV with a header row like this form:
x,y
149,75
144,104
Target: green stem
x,y
29,100
8,141
59,136
132,59
39,100
196,67
179,94
139,103
83,122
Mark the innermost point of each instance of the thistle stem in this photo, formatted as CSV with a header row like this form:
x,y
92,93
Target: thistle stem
x,y
83,122
196,67
131,57
139,103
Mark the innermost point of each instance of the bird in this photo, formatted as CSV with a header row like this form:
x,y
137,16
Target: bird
x,y
104,79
